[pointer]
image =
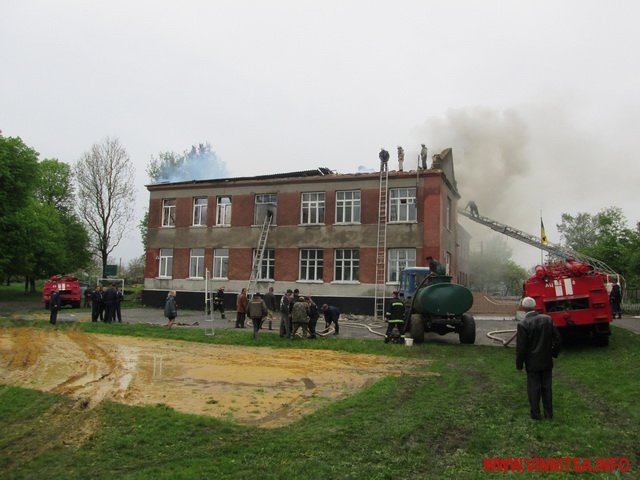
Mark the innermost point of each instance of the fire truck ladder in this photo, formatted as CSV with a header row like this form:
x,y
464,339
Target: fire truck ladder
x,y
553,249
258,255
381,245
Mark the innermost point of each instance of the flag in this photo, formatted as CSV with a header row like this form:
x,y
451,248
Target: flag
x,y
543,235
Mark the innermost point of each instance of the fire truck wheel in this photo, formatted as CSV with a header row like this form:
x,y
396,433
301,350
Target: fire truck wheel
x,y
417,328
467,332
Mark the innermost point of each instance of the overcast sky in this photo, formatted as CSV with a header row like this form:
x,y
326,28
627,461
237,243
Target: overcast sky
x,y
540,101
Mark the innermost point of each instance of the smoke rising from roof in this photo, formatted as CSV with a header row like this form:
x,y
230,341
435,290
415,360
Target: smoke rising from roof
x,y
198,163
489,152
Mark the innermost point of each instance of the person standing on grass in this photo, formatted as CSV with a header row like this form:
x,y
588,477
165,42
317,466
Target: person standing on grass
x,y
241,308
615,297
300,317
218,302
171,308
257,311
537,345
314,315
97,308
285,314
394,316
119,299
54,306
272,306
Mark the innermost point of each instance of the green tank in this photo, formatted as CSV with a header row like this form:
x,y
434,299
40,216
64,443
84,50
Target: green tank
x,y
434,304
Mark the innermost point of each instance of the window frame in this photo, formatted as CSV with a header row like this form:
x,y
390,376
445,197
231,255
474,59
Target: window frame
x,y
268,265
199,263
223,210
259,216
352,265
220,263
312,207
395,264
168,213
355,205
309,264
403,199
201,209
165,263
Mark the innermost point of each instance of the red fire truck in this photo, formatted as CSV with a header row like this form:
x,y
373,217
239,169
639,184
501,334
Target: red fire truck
x,y
69,287
575,296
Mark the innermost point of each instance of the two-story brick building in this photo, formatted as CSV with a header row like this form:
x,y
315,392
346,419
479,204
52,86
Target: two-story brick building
x,y
323,237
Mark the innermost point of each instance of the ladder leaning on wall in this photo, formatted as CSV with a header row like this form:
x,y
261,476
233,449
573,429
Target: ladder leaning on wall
x,y
381,245
258,255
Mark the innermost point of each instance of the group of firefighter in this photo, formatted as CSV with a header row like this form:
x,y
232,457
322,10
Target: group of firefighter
x,y
299,312
105,303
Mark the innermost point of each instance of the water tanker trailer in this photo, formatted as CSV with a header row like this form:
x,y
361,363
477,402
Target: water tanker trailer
x,y
434,304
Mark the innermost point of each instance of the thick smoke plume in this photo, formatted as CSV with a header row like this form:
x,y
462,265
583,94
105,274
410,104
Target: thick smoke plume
x,y
198,163
488,153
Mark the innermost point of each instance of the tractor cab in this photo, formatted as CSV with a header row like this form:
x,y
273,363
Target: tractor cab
x,y
410,279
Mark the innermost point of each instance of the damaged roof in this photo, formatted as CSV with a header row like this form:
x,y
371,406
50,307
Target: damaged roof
x,y
318,172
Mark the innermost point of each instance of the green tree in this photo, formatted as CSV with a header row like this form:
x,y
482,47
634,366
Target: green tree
x,y
55,185
18,173
606,237
105,179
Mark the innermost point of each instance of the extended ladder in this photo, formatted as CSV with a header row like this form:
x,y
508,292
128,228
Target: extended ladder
x,y
258,254
555,250
381,245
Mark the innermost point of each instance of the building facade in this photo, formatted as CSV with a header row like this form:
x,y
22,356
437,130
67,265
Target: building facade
x,y
322,239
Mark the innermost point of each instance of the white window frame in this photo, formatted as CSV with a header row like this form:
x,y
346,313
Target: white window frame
x,y
169,212
347,262
346,202
223,211
267,267
196,263
448,213
311,265
200,211
447,263
312,208
265,202
399,259
165,263
221,263
402,205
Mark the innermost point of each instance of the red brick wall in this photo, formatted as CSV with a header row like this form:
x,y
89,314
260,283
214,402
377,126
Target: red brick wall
x,y
211,215
330,207
152,264
155,212
240,260
184,209
327,271
367,265
369,206
288,208
431,216
181,262
286,263
242,210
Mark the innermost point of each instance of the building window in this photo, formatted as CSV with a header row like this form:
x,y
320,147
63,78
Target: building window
x,y
348,207
346,265
200,211
220,262
399,259
266,204
196,263
402,205
166,263
223,212
312,208
447,214
311,263
169,212
266,271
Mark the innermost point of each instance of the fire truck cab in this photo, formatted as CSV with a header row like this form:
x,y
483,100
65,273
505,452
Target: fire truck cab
x,y
69,287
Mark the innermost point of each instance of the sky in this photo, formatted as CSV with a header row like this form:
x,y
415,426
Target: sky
x,y
539,100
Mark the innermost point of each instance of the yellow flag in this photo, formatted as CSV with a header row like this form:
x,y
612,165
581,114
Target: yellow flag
x,y
543,235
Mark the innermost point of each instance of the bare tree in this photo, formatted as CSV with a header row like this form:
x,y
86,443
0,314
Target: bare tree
x,y
105,177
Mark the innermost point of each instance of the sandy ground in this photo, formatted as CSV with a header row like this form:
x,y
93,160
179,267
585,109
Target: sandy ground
x,y
257,386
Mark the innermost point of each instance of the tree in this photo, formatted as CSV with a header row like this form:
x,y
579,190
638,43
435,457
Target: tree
x,y
105,178
55,185
606,237
18,173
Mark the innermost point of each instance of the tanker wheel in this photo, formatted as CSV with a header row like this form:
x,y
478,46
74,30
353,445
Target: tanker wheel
x,y
417,328
467,333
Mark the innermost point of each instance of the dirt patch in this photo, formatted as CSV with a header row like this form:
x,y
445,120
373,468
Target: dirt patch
x,y
258,386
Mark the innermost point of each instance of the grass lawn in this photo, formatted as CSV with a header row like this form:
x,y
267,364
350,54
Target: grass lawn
x,y
400,427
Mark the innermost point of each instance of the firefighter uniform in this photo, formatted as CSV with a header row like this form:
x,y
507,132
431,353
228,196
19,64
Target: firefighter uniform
x,y
395,317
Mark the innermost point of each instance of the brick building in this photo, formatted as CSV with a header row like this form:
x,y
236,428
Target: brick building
x,y
323,238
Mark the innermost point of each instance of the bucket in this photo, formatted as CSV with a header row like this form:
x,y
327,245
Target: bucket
x,y
408,341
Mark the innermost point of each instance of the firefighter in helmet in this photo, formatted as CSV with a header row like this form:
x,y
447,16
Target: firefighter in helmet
x,y
394,316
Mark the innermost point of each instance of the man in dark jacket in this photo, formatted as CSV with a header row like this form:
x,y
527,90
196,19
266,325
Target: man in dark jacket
x,y
218,302
97,308
257,310
54,305
615,297
537,345
331,315
110,298
272,305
